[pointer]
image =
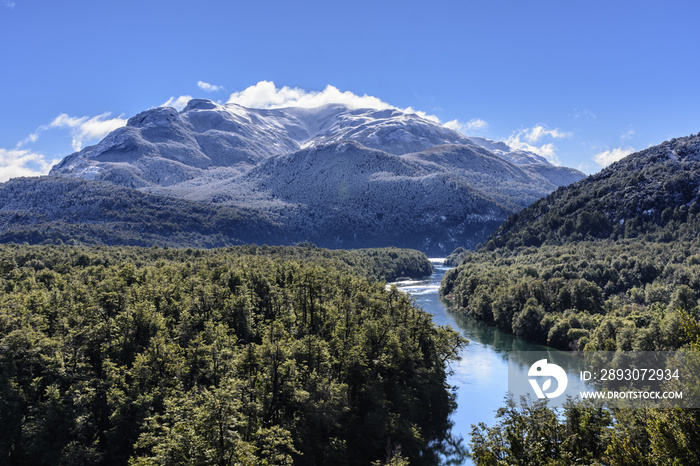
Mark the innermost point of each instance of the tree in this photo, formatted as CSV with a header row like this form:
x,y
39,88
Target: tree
x,y
526,323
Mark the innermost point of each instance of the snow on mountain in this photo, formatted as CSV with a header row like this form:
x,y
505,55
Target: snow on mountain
x,y
345,194
338,176
161,147
515,186
503,150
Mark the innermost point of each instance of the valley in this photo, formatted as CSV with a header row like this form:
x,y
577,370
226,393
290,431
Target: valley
x,y
167,283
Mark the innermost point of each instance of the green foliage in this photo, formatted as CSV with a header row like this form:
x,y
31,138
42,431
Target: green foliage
x,y
608,263
247,355
651,195
455,258
609,295
531,433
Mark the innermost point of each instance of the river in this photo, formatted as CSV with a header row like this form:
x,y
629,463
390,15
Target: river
x,y
481,376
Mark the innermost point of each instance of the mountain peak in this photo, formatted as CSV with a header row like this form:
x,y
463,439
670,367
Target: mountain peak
x,y
158,115
332,174
200,104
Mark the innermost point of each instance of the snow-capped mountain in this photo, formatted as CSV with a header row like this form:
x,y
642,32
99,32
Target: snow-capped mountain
x,y
516,156
162,147
334,175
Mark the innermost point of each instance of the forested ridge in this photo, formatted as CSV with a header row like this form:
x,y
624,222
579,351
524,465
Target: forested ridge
x,y
66,210
606,295
611,263
652,194
249,355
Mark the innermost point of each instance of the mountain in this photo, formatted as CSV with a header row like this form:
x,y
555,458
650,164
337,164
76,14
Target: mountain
x,y
653,193
334,175
53,209
163,147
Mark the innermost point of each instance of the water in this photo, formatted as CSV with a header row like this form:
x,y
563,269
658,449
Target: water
x,y
481,376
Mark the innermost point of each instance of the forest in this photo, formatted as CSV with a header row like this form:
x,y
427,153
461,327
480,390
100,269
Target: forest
x,y
246,355
606,295
611,263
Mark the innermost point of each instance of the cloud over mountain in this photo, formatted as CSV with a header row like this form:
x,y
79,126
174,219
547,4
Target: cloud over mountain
x,y
531,139
265,94
607,157
20,162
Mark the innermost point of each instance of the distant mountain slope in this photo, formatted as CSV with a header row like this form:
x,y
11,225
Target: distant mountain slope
x,y
515,186
346,195
55,210
334,175
35,210
163,147
503,150
654,192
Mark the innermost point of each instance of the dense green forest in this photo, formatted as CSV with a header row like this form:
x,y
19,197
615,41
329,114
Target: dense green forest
x,y
605,295
590,296
74,211
611,263
532,433
248,355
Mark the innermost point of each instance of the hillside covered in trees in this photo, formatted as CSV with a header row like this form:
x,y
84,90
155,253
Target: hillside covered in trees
x,y
606,295
249,355
616,251
73,211
652,194
611,263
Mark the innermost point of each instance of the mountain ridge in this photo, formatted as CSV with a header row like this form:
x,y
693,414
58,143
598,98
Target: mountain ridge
x,y
337,176
208,135
646,193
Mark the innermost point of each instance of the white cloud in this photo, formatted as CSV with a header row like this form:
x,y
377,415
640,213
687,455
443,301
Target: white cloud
x,y
535,134
82,129
607,157
628,135
470,127
17,162
529,139
31,138
178,103
9,4
208,87
86,128
265,94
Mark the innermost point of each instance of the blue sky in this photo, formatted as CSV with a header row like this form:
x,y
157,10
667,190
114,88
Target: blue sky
x,y
583,83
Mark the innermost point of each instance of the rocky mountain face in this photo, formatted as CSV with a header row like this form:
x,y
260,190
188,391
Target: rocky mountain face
x,y
337,176
653,193
161,147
